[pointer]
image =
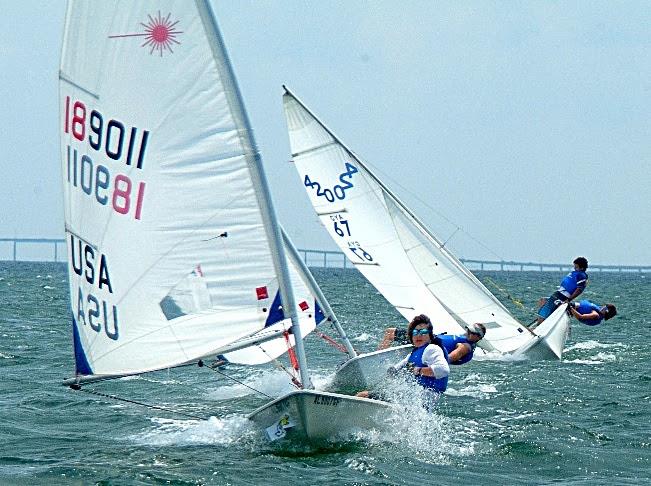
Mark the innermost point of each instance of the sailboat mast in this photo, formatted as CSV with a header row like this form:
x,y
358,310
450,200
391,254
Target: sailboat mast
x,y
316,290
258,177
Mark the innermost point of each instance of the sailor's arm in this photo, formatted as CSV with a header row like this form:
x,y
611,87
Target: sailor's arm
x,y
437,366
584,317
459,352
388,338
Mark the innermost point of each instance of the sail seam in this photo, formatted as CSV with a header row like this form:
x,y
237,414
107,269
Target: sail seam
x,y
313,149
65,79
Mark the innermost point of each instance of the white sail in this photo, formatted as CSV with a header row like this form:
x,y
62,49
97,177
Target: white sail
x,y
387,243
175,251
171,256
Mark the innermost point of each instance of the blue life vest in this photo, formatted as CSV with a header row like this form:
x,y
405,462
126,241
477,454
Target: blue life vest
x,y
586,307
572,281
450,344
437,384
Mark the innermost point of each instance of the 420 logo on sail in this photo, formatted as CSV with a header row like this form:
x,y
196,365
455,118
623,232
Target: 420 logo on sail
x,y
338,191
112,141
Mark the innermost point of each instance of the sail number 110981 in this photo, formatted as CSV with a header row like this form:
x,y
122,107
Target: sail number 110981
x,y
94,172
110,137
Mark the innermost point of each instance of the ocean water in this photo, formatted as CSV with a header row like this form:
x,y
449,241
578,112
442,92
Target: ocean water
x,y
585,420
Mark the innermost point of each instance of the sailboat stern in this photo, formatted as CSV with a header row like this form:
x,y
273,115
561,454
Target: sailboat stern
x,y
550,337
316,416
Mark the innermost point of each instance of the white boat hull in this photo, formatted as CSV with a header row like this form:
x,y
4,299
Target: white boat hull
x,y
365,371
315,415
550,339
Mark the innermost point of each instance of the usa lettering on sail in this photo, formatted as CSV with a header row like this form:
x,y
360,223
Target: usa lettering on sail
x,y
91,309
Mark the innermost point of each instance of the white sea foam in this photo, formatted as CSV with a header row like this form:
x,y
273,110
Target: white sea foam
x,y
362,464
599,358
362,337
476,391
591,345
272,383
438,437
218,431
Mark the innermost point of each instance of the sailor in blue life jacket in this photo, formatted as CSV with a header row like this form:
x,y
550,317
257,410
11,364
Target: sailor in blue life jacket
x,y
590,313
570,288
427,361
461,348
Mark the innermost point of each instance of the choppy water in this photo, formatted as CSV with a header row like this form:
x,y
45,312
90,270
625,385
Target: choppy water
x,y
586,420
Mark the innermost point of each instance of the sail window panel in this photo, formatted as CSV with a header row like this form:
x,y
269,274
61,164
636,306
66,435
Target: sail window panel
x,y
152,351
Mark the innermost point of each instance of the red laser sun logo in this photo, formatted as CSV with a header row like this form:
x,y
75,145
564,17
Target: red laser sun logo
x,y
160,34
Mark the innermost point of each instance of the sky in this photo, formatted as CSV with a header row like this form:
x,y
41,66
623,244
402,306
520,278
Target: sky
x,y
514,130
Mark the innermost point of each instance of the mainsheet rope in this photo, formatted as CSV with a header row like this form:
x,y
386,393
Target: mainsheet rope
x,y
214,368
135,402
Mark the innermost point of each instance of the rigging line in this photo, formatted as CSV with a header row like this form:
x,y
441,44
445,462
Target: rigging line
x,y
434,210
450,237
279,365
135,402
512,299
216,370
331,341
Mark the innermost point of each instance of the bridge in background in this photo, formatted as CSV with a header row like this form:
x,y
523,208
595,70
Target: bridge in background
x,y
50,245
53,249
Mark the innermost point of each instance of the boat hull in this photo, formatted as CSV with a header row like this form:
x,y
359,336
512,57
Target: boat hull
x,y
550,337
365,371
316,416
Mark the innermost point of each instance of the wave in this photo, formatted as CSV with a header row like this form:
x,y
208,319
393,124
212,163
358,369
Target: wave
x,y
216,431
271,383
599,358
593,345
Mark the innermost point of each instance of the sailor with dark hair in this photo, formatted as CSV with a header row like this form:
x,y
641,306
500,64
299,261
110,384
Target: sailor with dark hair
x,y
428,359
590,313
572,285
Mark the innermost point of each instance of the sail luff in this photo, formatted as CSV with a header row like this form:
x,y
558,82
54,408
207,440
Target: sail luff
x,y
263,193
417,222
316,290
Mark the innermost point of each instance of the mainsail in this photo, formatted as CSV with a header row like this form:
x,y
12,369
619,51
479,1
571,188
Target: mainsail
x,y
174,253
386,241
